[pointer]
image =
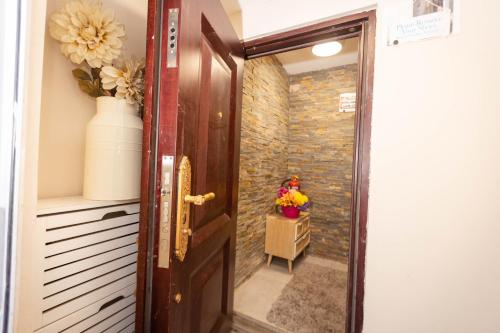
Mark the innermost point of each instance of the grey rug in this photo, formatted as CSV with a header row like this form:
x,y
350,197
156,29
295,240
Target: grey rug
x,y
313,301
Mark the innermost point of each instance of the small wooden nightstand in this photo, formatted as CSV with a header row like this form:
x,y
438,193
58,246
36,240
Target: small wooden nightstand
x,y
287,238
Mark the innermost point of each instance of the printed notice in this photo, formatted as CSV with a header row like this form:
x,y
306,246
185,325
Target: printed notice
x,y
347,102
428,19
422,27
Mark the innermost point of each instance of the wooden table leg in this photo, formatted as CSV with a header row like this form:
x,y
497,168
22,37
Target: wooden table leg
x,y
290,266
269,258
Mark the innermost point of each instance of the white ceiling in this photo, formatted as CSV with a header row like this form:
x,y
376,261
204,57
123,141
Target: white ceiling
x,y
231,6
298,61
259,18
303,60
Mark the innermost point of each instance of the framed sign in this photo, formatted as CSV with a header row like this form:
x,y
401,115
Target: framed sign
x,y
347,102
423,19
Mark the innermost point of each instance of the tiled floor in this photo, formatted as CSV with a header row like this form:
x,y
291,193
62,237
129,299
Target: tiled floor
x,y
255,297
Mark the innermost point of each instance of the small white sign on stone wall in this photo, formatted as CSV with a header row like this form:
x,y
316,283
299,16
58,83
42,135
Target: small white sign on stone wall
x,y
347,102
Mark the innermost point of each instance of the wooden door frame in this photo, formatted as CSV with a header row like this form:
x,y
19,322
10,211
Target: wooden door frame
x,y
149,172
362,25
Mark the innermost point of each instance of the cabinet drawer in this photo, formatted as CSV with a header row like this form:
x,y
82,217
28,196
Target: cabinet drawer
x,y
107,308
301,243
301,228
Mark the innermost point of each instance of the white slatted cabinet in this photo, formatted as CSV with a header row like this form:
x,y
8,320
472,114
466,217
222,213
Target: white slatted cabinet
x,y
86,257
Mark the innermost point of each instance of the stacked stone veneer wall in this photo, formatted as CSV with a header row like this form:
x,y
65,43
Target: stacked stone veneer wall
x,y
321,142
264,157
291,125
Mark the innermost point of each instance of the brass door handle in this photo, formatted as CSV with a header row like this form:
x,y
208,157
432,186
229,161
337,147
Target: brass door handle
x,y
199,200
184,199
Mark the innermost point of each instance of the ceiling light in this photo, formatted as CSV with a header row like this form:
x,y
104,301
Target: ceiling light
x,y
326,49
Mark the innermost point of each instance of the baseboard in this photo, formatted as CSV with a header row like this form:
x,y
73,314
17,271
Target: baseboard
x,y
245,324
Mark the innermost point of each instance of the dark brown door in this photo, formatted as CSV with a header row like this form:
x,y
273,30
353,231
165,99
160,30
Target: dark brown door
x,y
199,120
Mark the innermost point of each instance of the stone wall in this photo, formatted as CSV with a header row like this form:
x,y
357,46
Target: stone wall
x,y
321,141
264,157
290,125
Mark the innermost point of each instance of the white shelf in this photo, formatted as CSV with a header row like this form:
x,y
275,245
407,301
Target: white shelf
x,y
67,204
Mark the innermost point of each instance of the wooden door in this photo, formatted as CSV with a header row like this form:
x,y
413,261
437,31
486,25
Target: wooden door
x,y
199,105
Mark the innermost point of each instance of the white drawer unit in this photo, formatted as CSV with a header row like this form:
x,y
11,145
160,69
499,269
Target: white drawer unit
x,y
88,259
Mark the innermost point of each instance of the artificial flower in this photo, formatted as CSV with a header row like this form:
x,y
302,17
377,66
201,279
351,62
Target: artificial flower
x,y
128,79
293,198
87,32
299,198
305,206
282,191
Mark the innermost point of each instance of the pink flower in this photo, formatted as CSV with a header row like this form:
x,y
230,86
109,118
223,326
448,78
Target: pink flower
x,y
282,191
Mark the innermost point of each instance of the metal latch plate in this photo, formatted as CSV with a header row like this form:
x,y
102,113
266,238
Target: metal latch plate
x,y
167,171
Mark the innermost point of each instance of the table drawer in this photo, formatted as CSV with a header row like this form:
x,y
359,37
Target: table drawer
x,y
301,243
301,228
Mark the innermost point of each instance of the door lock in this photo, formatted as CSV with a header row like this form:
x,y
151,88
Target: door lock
x,y
167,169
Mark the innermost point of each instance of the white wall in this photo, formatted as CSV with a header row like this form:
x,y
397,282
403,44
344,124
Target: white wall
x,y
66,110
260,17
432,258
434,207
31,62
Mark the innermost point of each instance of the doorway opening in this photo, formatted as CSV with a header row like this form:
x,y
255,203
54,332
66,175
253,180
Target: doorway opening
x,y
298,119
193,292
306,116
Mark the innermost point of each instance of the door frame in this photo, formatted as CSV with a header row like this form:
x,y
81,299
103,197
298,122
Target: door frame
x,y
149,172
362,25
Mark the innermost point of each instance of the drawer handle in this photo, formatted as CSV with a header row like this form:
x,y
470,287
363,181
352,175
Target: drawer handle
x,y
112,215
109,303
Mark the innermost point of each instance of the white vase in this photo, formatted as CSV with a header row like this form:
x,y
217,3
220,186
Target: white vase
x,y
113,152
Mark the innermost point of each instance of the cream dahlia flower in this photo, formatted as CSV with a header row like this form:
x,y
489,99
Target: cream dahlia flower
x,y
87,32
128,79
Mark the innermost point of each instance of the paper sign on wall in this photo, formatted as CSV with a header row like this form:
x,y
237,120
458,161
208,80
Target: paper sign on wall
x,y
423,19
347,102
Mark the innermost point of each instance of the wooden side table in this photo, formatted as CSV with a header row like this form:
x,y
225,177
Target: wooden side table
x,y
286,238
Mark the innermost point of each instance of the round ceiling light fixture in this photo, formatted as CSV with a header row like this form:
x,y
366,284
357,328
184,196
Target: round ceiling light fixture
x,y
327,49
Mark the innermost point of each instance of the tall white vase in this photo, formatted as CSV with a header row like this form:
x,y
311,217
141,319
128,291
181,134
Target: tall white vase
x,y
113,152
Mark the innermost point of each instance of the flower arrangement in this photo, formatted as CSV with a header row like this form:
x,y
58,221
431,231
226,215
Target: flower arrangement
x,y
92,38
293,198
292,202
